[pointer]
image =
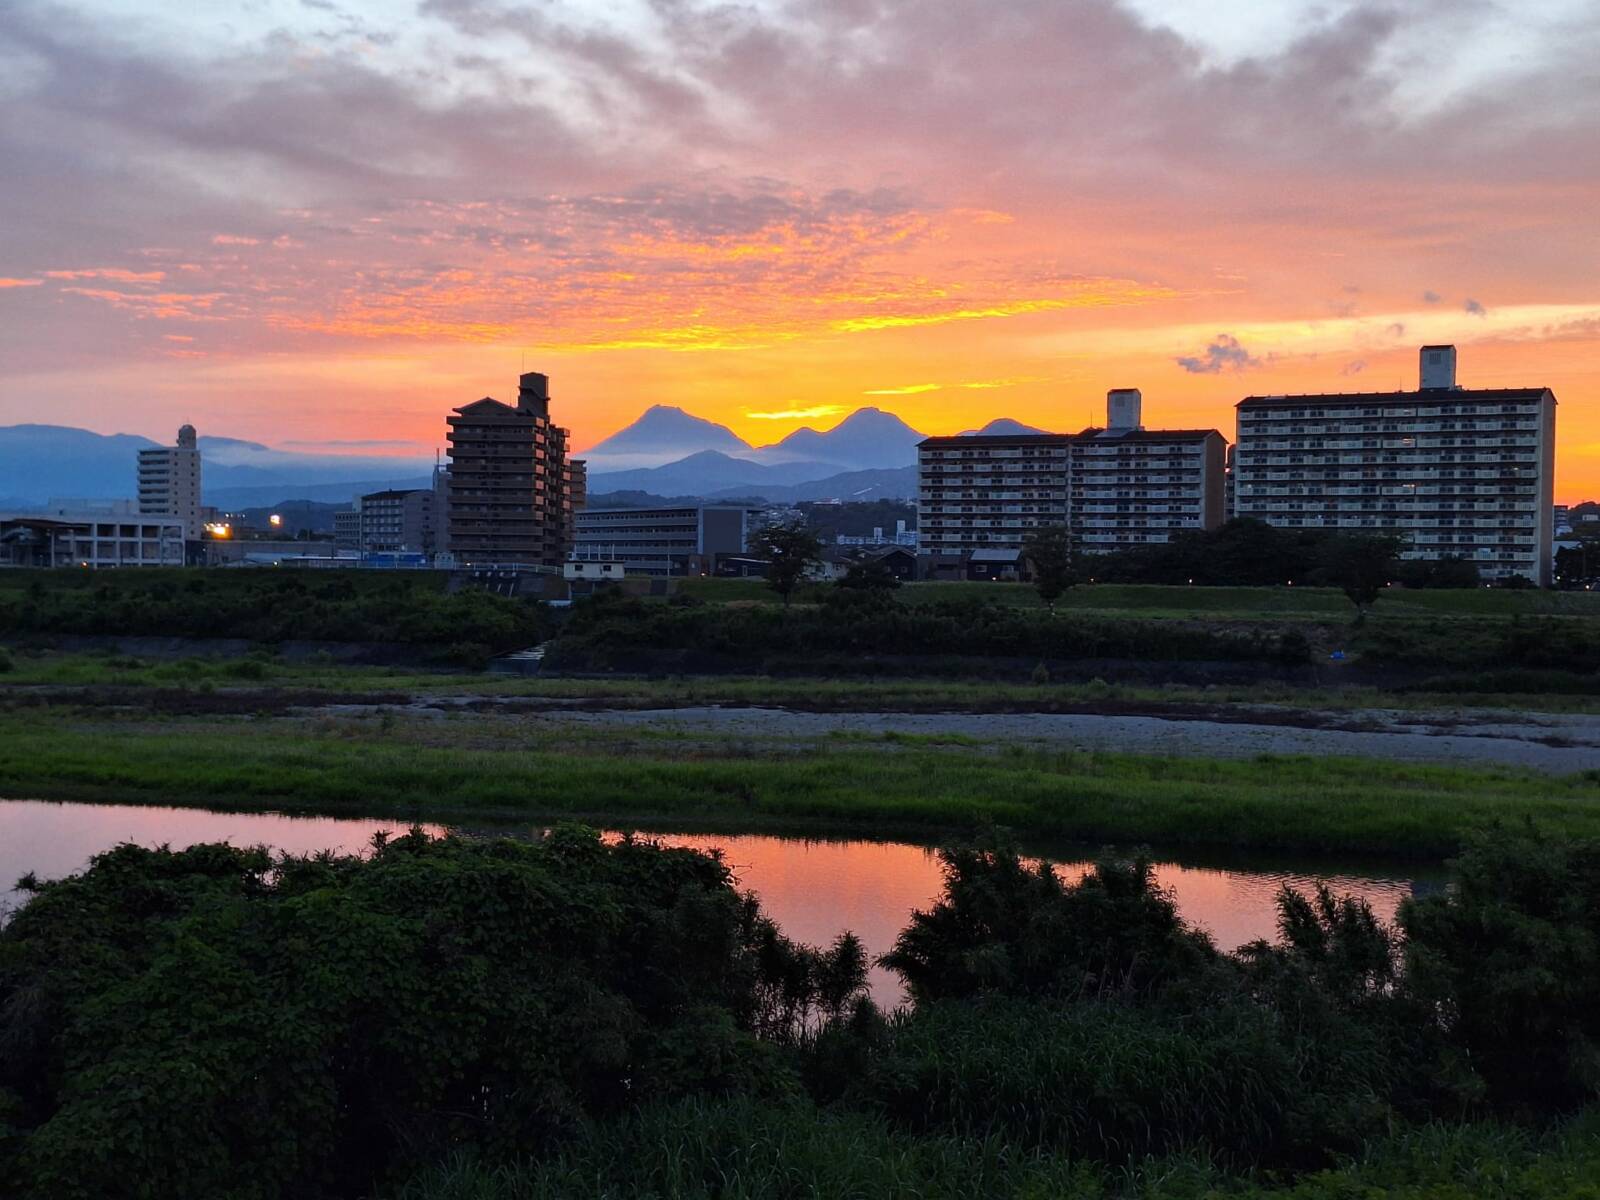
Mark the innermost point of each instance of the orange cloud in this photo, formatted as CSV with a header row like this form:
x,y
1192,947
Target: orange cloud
x,y
113,274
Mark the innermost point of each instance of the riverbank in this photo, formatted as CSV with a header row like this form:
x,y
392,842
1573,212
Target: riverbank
x,y
487,766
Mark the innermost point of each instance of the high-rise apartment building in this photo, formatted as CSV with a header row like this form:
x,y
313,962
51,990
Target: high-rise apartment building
x,y
1116,486
989,492
169,482
511,484
1132,486
1466,472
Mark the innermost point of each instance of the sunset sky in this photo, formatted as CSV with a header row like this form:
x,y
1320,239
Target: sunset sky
x,y
321,224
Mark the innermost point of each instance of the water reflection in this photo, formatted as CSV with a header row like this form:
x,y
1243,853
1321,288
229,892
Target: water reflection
x,y
813,889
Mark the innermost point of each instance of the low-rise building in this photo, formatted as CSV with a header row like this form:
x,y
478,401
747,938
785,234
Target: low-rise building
x,y
1465,472
347,528
596,570
669,540
63,538
399,522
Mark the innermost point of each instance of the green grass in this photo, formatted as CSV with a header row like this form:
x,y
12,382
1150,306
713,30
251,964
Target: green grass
x,y
1234,603
489,768
743,1150
931,694
99,670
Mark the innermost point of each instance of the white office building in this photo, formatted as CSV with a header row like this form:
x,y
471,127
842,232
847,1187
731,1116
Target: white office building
x,y
1467,472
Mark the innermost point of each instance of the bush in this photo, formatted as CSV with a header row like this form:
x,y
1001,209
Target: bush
x,y
856,622
278,606
1294,648
1509,959
1113,1083
218,1022
6,663
1009,928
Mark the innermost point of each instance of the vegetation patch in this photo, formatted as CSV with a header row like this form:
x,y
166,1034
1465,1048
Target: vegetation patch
x,y
462,1018
428,769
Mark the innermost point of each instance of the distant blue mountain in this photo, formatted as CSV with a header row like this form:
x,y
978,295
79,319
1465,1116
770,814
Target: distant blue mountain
x,y
43,462
892,483
707,472
1001,426
662,434
868,438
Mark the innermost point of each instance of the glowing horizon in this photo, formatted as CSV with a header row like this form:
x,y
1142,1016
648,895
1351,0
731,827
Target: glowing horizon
x,y
322,227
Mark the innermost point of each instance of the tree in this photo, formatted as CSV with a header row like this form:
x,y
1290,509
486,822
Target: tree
x,y
1049,552
791,550
869,576
1361,565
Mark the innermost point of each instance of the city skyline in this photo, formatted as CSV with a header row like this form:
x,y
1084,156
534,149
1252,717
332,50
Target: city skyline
x,y
323,227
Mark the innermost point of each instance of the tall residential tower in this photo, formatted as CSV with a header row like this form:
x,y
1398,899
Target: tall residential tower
x,y
511,483
169,482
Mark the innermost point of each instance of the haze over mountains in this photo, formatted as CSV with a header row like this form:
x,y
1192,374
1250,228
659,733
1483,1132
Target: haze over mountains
x,y
45,462
869,455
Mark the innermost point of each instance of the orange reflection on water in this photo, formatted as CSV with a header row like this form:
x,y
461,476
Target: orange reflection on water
x,y
814,890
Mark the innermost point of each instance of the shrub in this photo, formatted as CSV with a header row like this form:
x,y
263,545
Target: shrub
x,y
218,1022
6,663
1509,960
1113,1082
1005,927
1294,648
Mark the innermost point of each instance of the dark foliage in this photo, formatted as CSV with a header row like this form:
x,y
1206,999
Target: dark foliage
x,y
1004,926
964,627
869,576
1507,961
790,552
1451,571
1245,552
1053,562
271,606
219,1023
1361,566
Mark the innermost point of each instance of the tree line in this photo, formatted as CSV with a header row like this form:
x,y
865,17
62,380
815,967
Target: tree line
x,y
226,1022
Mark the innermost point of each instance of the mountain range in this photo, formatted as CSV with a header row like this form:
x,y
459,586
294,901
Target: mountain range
x,y
870,454
866,439
44,462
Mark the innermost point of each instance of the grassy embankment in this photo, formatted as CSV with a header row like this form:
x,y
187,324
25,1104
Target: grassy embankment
x,y
741,1151
266,675
475,766
1158,600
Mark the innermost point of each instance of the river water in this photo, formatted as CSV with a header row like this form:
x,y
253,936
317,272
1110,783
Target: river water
x,y
813,888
